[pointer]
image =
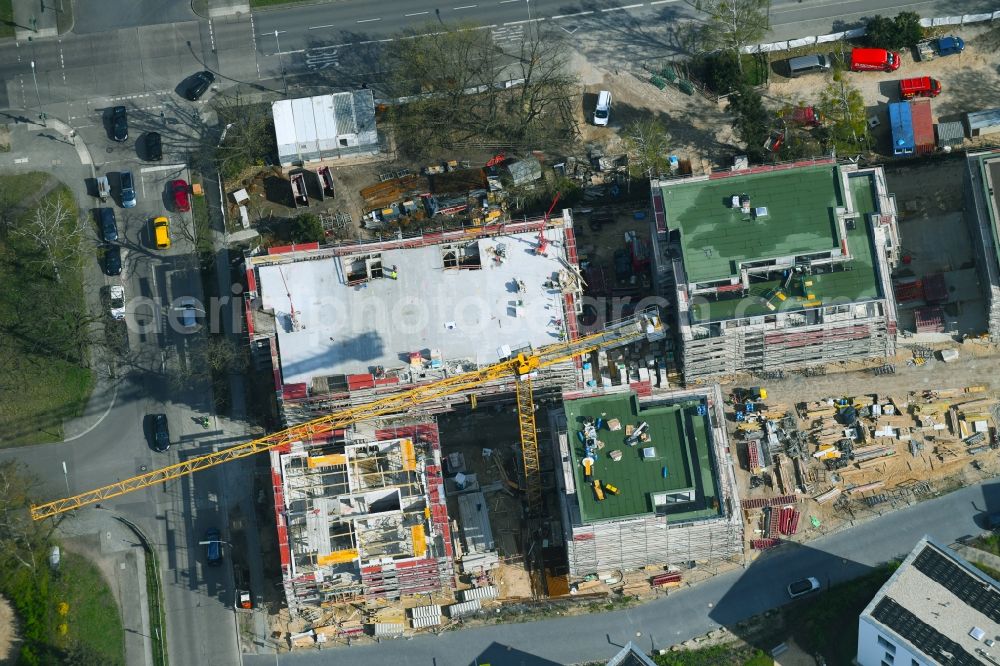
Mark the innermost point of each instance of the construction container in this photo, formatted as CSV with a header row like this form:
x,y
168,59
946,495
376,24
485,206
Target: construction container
x,y
923,126
425,612
486,592
950,135
901,124
981,123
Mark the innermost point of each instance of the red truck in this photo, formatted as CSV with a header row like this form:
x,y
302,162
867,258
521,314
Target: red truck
x,y
921,86
874,59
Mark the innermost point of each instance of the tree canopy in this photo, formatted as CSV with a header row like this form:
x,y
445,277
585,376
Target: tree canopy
x,y
458,87
730,25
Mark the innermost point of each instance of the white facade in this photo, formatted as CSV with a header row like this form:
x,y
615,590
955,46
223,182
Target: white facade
x,y
876,647
936,608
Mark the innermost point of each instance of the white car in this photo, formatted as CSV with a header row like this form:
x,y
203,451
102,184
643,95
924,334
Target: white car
x,y
187,313
117,302
803,587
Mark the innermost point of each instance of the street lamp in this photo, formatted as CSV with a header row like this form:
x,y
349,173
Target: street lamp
x,y
37,97
281,66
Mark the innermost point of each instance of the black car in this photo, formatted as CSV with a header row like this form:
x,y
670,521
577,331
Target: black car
x,y
119,124
198,84
112,260
109,228
154,147
161,433
213,547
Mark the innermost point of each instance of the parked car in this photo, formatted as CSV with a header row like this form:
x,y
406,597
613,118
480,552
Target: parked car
x,y
874,59
602,111
161,433
112,259
213,547
802,587
119,124
109,228
116,302
161,232
127,189
154,147
920,86
187,313
808,63
950,45
179,190
198,84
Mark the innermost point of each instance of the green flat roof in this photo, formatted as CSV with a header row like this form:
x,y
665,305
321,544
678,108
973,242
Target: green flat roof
x,y
681,439
715,237
858,279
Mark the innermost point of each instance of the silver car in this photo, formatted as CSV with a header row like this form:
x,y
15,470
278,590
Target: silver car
x,y
803,587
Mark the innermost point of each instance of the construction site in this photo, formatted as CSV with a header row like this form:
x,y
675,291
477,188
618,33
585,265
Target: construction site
x,y
392,525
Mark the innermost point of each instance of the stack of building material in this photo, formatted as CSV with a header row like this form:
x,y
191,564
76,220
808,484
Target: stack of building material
x,y
827,496
788,520
422,617
865,453
387,629
486,592
764,544
304,639
464,609
667,580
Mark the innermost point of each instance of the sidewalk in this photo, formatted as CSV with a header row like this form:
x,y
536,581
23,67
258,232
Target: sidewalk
x,y
115,550
37,19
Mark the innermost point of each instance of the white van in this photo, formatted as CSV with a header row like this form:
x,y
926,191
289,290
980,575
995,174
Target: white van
x,y
603,109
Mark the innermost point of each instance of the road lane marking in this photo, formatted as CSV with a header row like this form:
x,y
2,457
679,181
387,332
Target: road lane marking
x,y
164,167
415,14
661,2
534,20
571,15
618,9
504,2
320,27
368,20
455,9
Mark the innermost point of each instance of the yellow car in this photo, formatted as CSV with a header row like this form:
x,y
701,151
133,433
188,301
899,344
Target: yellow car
x,y
161,233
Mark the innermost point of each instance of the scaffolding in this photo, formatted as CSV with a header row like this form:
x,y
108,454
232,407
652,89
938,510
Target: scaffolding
x,y
362,516
652,539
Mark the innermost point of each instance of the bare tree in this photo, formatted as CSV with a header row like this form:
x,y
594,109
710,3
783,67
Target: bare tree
x,y
730,25
248,134
647,144
456,88
21,539
58,230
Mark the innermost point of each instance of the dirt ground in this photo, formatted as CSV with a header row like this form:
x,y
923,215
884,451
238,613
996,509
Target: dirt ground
x,y
969,81
700,130
8,634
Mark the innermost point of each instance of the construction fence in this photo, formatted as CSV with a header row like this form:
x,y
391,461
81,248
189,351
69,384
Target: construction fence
x,y
965,19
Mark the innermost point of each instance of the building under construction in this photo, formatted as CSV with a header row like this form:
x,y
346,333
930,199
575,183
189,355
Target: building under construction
x,y
646,481
340,325
778,267
362,514
982,197
362,518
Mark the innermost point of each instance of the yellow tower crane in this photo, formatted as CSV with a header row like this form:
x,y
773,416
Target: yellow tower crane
x,y
520,367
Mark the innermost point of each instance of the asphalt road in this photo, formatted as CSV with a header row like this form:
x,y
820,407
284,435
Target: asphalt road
x,y
720,601
112,440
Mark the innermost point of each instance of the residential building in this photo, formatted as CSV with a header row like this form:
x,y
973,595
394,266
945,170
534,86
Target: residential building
x,y
666,497
982,207
777,267
936,608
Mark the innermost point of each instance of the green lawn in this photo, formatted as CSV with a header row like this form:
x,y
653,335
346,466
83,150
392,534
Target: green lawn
x,y
43,351
719,655
65,617
827,622
6,18
989,542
